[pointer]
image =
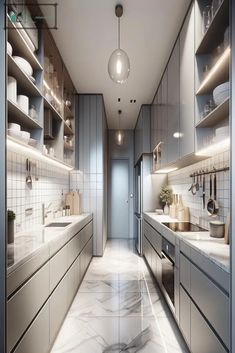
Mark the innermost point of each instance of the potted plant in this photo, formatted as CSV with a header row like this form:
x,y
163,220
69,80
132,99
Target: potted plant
x,y
11,226
166,198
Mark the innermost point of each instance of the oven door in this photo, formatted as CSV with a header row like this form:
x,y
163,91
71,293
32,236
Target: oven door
x,y
168,276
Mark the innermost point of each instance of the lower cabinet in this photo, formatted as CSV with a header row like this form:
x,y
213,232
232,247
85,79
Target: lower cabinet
x,y
203,340
37,310
185,315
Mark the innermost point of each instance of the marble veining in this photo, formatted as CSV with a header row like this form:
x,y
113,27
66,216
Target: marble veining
x,y
118,308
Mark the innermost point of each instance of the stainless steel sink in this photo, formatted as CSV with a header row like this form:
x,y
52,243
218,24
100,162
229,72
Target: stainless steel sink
x,y
58,224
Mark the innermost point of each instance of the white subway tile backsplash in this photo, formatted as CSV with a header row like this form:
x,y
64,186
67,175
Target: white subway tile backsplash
x,y
180,182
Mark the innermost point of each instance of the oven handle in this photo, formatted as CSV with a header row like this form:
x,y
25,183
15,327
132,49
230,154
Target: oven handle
x,y
165,256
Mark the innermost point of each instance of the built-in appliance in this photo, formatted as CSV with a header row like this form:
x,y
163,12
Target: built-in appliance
x,y
138,206
168,265
184,227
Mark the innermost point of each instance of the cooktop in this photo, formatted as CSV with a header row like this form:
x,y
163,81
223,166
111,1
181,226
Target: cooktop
x,y
184,227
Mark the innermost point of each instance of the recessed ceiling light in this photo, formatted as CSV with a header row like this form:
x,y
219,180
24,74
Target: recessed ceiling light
x,y
119,99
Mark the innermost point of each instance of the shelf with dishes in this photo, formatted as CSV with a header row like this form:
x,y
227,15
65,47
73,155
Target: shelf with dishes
x,y
25,82
22,137
218,114
217,74
22,116
21,43
55,113
68,147
214,19
68,114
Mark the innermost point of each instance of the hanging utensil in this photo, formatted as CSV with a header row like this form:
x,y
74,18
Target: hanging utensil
x,y
194,186
210,203
203,192
197,186
28,169
216,205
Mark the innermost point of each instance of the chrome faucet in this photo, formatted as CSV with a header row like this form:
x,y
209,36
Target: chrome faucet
x,y
45,211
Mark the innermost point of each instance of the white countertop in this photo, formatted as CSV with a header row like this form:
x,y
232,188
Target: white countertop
x,y
213,248
31,242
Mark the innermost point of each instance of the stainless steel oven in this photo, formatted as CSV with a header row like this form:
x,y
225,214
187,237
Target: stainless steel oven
x,y
168,276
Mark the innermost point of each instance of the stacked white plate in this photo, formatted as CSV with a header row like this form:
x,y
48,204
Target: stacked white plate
x,y
14,130
12,89
221,93
23,103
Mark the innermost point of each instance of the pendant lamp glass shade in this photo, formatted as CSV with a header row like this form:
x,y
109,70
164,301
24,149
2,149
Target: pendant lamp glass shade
x,y
119,66
119,63
119,137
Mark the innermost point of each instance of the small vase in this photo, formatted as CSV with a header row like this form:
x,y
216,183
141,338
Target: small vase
x,y
11,232
166,208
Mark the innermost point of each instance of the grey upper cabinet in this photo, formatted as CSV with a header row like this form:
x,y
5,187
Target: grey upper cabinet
x,y
155,113
187,85
173,105
142,132
163,120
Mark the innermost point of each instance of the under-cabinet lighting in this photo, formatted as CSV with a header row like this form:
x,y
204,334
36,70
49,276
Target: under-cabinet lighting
x,y
223,57
17,147
214,148
52,93
165,170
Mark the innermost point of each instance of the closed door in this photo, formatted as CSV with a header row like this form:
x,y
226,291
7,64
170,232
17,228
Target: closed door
x,y
119,199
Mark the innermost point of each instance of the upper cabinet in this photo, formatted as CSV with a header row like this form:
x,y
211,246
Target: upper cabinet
x,y
40,92
187,85
173,104
142,132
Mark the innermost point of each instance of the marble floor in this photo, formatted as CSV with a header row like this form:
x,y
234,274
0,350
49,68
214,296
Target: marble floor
x,y
118,309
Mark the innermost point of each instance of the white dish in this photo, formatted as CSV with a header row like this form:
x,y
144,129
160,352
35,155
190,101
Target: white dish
x,y
33,142
24,65
12,89
221,93
13,126
25,136
23,103
9,49
15,134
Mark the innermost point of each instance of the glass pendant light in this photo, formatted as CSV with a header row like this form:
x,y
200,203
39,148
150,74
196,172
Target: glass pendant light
x,y
119,135
119,63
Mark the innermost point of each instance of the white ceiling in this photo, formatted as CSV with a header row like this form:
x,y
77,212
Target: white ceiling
x,y
87,35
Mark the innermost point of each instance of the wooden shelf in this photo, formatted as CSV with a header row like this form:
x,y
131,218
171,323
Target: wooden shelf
x,y
67,147
67,112
20,46
218,74
220,113
24,84
17,115
217,26
55,114
67,129
58,160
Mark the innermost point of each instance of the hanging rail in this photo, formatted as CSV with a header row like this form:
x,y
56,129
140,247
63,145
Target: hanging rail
x,y
204,172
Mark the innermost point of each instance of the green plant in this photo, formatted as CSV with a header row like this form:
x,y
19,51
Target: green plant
x,y
166,194
11,215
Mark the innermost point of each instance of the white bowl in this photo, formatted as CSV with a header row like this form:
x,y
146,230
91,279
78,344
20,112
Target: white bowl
x,y
221,93
9,49
24,65
25,136
14,126
12,89
14,133
33,142
23,103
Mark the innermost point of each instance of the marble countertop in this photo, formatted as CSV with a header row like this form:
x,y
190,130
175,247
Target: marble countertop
x,y
29,243
213,248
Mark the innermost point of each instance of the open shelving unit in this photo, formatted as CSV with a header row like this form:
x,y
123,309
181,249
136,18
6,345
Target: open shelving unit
x,y
212,56
59,88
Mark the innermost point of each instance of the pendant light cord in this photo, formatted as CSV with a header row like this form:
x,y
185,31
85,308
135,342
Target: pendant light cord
x,y
119,33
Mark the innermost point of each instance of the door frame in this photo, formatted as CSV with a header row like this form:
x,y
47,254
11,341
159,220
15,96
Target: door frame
x,y
109,194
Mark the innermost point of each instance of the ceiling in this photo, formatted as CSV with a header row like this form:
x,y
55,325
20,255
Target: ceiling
x,y
87,35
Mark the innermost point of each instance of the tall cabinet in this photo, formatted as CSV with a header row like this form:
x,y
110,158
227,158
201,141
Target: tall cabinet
x,y
142,132
92,136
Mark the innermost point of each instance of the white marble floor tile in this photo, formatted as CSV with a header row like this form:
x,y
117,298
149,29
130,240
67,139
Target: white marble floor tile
x,y
119,308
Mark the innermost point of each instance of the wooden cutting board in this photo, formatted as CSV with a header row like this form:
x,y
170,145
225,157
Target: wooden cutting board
x,y
69,201
76,203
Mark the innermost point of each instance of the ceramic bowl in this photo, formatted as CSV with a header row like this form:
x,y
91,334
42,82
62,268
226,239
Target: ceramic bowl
x,y
221,92
9,49
33,142
24,65
23,103
25,136
14,133
12,89
13,126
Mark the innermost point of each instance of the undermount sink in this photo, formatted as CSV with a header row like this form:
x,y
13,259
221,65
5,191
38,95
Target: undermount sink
x,y
58,224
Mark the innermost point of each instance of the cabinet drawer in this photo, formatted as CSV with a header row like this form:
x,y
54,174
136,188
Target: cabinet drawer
x,y
36,339
184,315
24,305
185,266
156,240
203,339
73,249
58,267
212,302
58,308
85,235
